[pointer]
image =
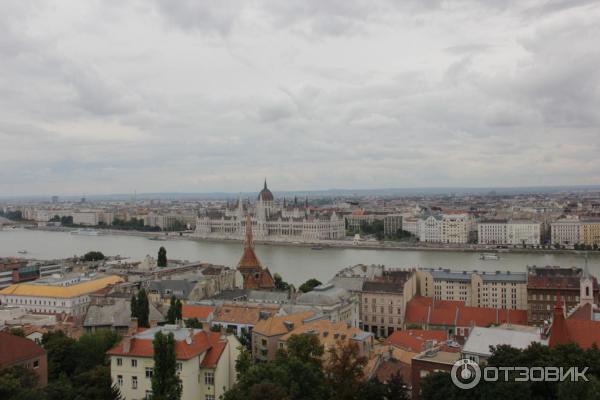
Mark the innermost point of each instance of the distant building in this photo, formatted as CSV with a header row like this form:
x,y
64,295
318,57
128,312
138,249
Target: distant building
x,y
590,232
545,284
115,314
566,232
267,332
205,363
476,289
392,223
68,295
18,351
430,229
383,301
357,218
512,232
273,221
241,318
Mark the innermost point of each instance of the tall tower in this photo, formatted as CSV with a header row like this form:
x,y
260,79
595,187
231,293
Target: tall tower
x,y
586,286
255,276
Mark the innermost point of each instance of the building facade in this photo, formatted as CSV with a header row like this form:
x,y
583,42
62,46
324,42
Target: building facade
x,y
513,232
566,232
56,296
590,232
545,284
273,221
383,301
506,290
205,363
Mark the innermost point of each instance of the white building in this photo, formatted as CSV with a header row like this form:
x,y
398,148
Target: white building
x,y
336,303
566,232
294,222
503,290
513,232
205,363
430,229
456,228
55,296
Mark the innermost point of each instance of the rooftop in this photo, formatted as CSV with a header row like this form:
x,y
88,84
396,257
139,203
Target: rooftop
x,y
480,339
48,290
14,349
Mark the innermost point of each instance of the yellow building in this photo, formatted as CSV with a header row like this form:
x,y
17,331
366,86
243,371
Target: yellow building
x,y
590,232
205,363
68,295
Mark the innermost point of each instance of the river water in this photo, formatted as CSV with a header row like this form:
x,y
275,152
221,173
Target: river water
x,y
295,264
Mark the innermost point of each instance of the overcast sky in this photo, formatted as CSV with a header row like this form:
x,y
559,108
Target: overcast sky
x,y
195,96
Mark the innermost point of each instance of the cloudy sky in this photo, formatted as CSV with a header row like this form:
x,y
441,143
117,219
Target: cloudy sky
x,y
114,96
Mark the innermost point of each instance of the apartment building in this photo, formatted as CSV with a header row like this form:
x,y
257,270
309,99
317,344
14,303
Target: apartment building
x,y
590,232
267,332
205,363
499,289
430,229
456,228
392,223
383,301
566,232
512,232
544,284
19,351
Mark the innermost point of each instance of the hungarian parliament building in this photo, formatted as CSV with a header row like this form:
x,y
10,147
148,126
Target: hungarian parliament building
x,y
272,221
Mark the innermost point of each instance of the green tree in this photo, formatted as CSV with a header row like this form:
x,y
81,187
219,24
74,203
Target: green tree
x,y
134,306
166,384
309,285
143,309
61,353
162,257
17,332
396,388
280,284
19,383
175,310
345,369
93,256
193,323
373,390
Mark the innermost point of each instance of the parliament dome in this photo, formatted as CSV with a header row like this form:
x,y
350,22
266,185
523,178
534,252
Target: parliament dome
x,y
265,194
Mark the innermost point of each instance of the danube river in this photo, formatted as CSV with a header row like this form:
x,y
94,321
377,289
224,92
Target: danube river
x,y
295,263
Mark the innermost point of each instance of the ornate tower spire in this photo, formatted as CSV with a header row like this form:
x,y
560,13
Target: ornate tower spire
x,y
265,182
249,242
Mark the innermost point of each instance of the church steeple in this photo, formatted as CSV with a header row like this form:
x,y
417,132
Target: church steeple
x,y
249,242
265,183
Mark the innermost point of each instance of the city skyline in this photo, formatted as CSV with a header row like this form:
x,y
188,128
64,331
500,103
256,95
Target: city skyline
x,y
314,95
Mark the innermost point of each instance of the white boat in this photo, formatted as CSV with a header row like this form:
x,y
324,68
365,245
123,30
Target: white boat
x,y
489,256
85,232
22,251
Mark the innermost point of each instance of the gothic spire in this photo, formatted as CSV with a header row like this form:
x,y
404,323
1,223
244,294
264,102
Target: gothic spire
x,y
249,242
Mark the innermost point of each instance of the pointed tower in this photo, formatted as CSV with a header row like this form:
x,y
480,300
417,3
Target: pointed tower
x,y
255,276
559,334
586,286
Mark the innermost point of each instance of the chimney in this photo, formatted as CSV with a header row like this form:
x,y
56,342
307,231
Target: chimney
x,y
132,328
126,344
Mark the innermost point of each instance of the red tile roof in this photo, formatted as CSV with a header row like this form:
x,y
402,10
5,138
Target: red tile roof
x,y
15,349
199,312
202,341
581,331
424,310
211,359
414,339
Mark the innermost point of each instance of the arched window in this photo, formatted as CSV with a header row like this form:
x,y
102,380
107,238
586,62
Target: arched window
x,y
587,291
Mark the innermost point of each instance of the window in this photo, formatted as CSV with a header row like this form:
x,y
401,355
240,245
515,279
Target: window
x,y
134,382
119,361
149,372
179,367
36,364
209,397
209,378
133,363
148,394
120,380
